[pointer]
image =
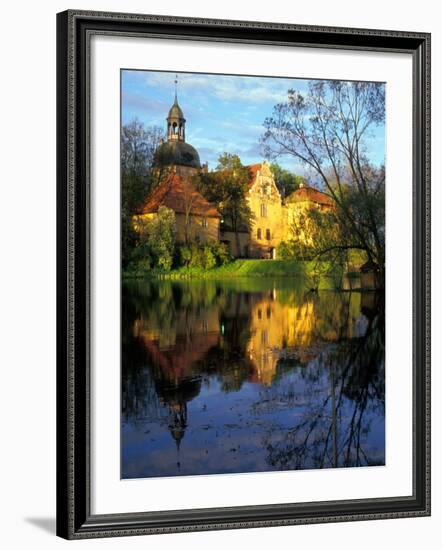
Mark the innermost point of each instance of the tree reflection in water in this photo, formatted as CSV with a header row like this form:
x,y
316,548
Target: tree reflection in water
x,y
258,373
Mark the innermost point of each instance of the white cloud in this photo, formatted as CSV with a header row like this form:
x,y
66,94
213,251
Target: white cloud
x,y
226,88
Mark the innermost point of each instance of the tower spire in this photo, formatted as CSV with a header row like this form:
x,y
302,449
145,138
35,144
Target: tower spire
x,y
175,119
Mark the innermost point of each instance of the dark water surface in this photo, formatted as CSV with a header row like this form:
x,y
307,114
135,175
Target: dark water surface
x,y
249,375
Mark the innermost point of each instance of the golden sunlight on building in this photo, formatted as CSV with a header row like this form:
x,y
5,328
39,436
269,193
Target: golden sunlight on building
x,y
273,218
176,162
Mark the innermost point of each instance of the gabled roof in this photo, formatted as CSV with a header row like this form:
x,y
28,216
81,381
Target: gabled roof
x,y
179,195
263,168
310,194
254,169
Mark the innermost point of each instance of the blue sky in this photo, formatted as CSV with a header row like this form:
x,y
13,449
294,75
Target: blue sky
x,y
223,113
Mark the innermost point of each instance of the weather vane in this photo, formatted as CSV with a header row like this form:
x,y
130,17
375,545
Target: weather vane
x,y
176,83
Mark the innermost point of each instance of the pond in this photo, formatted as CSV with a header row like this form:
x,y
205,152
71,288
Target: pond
x,y
249,375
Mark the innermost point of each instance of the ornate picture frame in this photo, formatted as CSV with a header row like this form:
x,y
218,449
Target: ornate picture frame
x,y
75,519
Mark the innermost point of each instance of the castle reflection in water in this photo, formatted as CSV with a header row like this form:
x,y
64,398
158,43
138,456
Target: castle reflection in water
x,y
250,375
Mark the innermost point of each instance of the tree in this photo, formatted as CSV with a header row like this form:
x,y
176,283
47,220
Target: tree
x,y
327,130
158,238
315,234
313,230
138,145
227,187
286,181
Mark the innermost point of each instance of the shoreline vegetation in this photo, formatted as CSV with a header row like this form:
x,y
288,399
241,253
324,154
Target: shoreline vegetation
x,y
322,275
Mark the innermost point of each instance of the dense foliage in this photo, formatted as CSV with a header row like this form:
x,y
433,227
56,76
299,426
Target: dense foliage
x,y
207,256
286,181
138,145
226,187
156,243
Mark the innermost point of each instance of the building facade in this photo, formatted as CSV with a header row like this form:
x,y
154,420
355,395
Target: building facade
x,y
197,219
273,218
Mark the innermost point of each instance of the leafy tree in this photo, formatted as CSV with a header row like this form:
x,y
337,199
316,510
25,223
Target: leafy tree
x,y
138,145
311,231
162,237
316,235
221,252
157,239
286,181
327,130
226,187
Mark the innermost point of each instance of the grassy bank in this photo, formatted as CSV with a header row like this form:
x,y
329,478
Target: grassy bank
x,y
320,275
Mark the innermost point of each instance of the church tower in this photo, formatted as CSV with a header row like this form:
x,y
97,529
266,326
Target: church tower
x,y
175,153
176,123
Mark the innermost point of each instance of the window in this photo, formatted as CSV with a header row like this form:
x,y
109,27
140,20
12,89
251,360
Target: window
x,y
263,210
258,234
204,222
268,234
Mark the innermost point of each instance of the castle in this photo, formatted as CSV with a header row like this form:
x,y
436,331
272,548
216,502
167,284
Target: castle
x,y
197,219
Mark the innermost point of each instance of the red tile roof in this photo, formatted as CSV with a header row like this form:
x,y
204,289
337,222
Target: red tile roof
x,y
253,169
310,194
179,195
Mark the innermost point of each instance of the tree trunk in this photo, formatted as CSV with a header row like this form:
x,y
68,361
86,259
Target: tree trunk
x,y
238,243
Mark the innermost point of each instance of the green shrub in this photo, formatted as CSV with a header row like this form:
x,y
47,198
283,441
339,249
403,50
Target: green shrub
x,y
202,256
184,254
209,259
221,253
283,251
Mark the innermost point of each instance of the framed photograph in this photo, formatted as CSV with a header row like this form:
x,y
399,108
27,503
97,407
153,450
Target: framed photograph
x,y
243,274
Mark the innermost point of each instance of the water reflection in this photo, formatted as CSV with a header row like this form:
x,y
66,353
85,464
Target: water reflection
x,y
249,375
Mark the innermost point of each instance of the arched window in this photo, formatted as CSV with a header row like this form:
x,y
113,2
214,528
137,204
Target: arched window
x,y
263,210
268,234
258,234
